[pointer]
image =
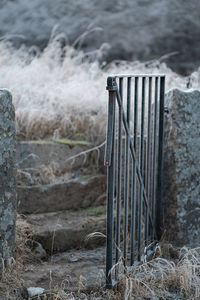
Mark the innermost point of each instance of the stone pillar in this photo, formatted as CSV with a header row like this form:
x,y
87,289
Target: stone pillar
x,y
7,178
181,193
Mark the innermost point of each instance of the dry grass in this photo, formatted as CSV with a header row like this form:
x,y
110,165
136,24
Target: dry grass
x,y
23,237
60,91
160,278
164,278
11,285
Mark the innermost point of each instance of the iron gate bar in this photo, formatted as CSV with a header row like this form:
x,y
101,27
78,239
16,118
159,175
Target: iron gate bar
x,y
134,170
141,168
160,155
126,179
133,153
119,175
139,185
110,179
148,173
155,142
136,76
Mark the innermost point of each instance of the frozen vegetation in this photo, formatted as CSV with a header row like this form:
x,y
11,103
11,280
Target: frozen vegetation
x,y
139,29
62,91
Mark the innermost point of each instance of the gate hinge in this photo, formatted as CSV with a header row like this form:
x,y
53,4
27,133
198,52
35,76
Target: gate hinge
x,y
111,84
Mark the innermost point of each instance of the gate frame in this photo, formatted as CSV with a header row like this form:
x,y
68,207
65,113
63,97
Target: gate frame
x,y
113,91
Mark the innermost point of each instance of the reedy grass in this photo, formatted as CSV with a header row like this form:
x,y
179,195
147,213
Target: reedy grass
x,y
61,90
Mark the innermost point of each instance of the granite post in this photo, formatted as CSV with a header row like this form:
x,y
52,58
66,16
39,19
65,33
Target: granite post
x,y
181,183
7,179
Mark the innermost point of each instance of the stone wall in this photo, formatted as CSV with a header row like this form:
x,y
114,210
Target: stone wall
x,y
181,203
7,178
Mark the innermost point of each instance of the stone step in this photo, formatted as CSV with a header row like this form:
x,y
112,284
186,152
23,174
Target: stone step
x,y
31,154
62,154
61,231
81,192
74,270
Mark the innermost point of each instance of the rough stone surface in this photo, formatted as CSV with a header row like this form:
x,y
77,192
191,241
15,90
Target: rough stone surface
x,y
181,203
45,162
75,270
61,231
75,193
33,154
139,29
7,177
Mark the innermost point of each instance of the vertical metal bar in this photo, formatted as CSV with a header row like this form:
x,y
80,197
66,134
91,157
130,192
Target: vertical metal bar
x,y
119,175
145,205
136,112
154,152
149,174
110,183
134,176
160,155
142,126
110,127
141,168
128,100
148,170
151,158
126,185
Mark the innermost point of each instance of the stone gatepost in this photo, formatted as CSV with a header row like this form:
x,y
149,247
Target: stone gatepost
x,y
181,193
7,179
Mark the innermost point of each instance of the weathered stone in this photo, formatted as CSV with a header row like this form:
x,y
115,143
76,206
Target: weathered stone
x,y
42,162
33,154
37,249
76,193
7,177
35,291
61,231
81,268
181,201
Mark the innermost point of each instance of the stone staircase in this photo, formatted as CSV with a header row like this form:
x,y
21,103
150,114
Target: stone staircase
x,y
61,195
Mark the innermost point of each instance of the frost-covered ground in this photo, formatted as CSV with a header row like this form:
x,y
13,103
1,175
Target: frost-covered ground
x,y
62,92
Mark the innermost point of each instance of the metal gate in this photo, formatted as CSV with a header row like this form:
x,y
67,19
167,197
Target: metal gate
x,y
133,157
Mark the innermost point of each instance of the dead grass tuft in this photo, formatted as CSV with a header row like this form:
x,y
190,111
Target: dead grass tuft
x,y
161,278
164,279
11,285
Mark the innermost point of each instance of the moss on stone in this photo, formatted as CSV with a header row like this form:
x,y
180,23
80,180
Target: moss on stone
x,y
71,143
